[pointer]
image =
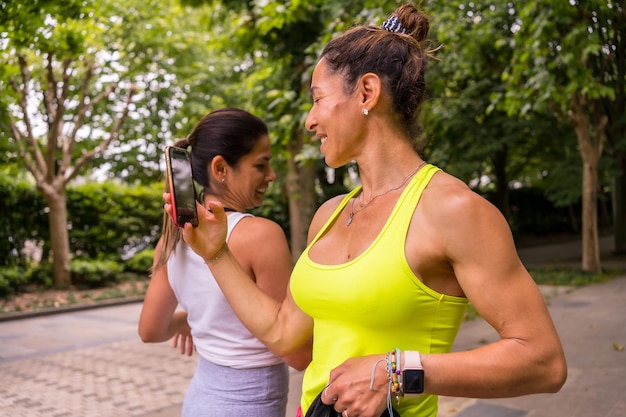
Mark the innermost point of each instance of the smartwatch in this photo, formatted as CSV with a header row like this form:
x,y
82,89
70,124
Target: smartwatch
x,y
412,373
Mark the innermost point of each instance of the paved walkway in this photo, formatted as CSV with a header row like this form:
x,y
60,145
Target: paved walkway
x,y
90,363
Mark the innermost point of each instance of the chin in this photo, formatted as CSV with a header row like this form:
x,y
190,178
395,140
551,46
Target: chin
x,y
334,164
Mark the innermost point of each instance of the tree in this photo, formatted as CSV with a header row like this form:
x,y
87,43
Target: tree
x,y
148,65
564,53
610,25
473,139
60,117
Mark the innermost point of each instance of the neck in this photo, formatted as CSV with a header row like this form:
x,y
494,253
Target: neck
x,y
375,181
227,207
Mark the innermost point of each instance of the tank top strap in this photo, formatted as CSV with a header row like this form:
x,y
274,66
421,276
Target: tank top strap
x,y
403,211
233,219
336,213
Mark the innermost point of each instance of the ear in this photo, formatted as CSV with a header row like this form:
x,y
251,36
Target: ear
x,y
369,90
218,168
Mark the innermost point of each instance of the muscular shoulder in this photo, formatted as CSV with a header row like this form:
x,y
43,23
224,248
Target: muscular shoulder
x,y
460,218
449,201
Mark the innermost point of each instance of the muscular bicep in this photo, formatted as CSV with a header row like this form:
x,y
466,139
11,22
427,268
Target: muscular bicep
x,y
486,265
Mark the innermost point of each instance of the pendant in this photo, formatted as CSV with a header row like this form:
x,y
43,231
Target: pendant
x,y
349,222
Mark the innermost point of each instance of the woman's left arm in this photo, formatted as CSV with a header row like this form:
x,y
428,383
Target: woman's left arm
x,y
528,357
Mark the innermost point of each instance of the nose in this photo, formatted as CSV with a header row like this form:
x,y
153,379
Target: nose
x,y
310,122
271,176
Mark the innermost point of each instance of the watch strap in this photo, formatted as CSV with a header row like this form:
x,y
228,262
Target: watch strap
x,y
412,360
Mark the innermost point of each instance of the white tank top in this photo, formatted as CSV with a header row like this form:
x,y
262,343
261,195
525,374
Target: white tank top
x,y
217,333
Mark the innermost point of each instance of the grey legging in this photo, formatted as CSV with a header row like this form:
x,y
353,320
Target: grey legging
x,y
218,391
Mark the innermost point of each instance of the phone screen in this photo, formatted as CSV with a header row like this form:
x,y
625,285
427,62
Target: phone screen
x,y
181,186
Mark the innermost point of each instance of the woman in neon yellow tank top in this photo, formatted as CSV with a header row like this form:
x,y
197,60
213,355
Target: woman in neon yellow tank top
x,y
389,269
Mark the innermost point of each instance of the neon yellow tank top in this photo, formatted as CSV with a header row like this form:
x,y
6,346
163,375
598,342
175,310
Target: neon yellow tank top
x,y
374,303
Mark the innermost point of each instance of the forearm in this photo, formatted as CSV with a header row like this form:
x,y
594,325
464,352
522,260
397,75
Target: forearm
x,y
506,368
301,358
177,324
259,312
159,329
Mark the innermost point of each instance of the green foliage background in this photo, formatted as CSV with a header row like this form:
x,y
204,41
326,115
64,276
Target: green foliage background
x,y
500,71
113,230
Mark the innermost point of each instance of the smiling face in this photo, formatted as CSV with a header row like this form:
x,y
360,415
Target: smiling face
x,y
336,117
248,181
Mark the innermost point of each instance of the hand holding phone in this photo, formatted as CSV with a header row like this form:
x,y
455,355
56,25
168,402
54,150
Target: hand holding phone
x,y
181,186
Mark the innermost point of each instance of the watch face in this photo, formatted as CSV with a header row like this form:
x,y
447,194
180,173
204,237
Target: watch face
x,y
413,381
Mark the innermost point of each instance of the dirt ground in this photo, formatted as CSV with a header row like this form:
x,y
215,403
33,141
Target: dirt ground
x,y
32,301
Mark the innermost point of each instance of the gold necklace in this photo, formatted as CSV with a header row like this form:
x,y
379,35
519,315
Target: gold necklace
x,y
364,205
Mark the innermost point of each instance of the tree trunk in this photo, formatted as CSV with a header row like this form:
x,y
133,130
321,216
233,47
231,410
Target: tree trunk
x,y
619,209
499,160
59,237
302,204
308,200
590,146
590,238
300,187
296,227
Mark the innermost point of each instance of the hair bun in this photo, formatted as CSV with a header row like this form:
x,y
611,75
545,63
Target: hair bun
x,y
414,22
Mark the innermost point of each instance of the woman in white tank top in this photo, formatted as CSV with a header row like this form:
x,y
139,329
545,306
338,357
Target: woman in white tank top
x,y
236,373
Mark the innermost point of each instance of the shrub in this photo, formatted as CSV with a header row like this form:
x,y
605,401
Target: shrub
x,y
41,275
12,280
93,273
141,262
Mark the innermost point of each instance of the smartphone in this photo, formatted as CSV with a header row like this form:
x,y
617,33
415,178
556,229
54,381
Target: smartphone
x,y
181,185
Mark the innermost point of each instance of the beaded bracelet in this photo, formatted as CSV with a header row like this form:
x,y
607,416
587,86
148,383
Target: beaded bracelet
x,y
393,367
395,374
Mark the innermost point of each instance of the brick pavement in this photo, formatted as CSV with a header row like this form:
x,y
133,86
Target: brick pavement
x,y
87,364
119,379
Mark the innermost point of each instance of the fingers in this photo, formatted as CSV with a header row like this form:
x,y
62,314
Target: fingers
x,y
189,345
167,206
179,342
184,343
332,399
217,209
327,397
